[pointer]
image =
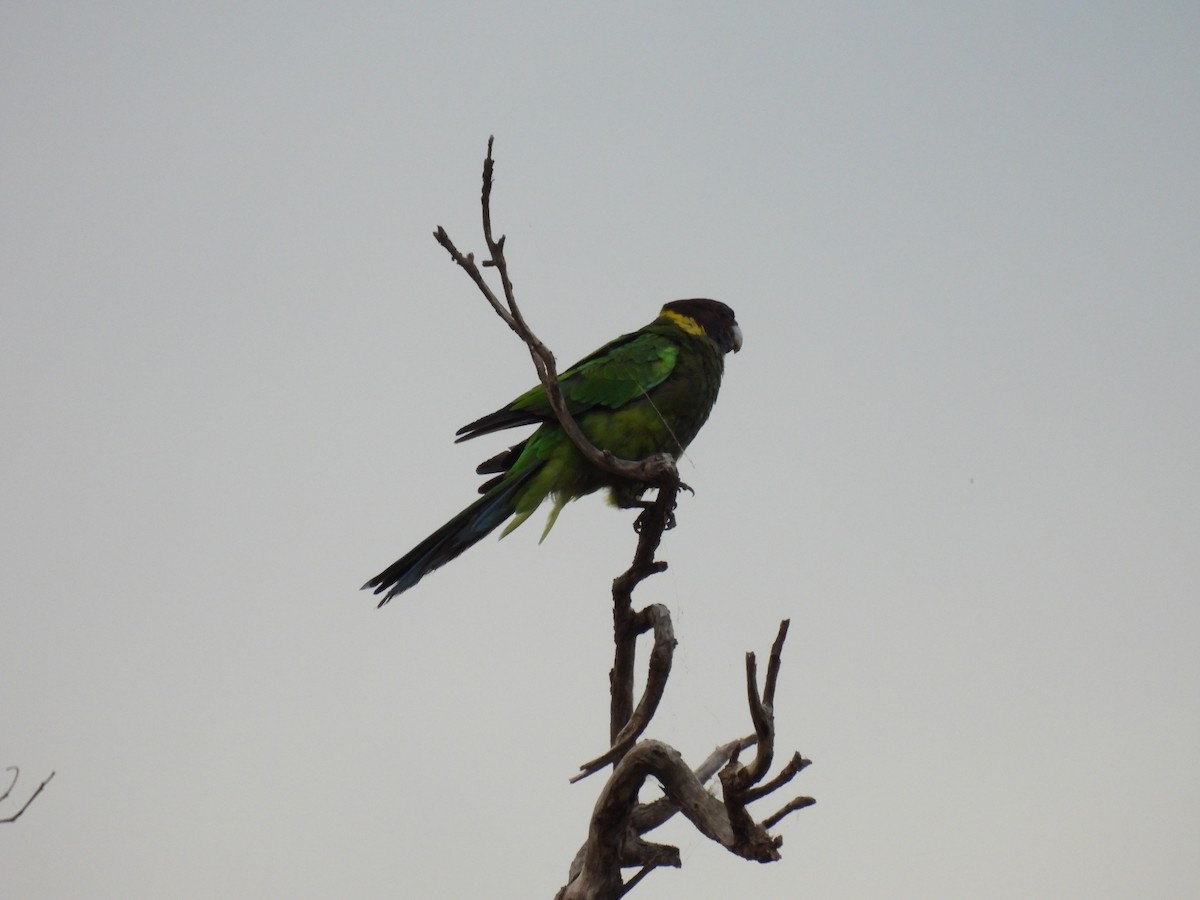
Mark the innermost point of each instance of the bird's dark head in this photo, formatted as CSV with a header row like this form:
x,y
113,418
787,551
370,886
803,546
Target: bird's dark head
x,y
711,318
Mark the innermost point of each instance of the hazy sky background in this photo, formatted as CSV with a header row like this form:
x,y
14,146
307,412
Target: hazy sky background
x,y
959,449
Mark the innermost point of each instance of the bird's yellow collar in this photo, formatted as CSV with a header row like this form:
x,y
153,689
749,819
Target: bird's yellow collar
x,y
686,323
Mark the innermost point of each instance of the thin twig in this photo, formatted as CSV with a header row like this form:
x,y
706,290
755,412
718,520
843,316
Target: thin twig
x,y
32,797
652,470
16,774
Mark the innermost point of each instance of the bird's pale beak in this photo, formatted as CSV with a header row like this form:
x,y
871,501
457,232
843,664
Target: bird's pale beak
x,y
737,339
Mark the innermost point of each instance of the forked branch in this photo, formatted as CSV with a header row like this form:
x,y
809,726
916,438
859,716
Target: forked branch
x,y
615,837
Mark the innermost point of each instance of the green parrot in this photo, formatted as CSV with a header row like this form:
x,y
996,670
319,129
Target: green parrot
x,y
645,393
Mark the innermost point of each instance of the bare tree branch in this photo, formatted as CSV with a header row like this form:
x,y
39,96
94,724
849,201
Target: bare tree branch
x,y
653,470
605,851
761,714
619,820
659,471
627,624
794,767
792,805
658,618
649,816
773,664
17,774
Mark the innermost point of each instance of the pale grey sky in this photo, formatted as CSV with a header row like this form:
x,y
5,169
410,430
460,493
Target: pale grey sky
x,y
959,448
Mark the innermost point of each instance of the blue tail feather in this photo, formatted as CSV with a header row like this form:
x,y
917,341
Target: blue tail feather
x,y
463,531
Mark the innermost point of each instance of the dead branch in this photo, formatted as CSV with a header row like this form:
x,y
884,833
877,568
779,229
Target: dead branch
x,y
649,816
627,624
761,714
615,836
659,470
610,844
658,618
17,774
653,470
619,820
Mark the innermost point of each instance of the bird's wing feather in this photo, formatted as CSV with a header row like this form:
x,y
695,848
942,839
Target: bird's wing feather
x,y
617,373
622,371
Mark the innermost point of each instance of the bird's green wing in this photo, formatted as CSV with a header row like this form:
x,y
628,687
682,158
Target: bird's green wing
x,y
617,373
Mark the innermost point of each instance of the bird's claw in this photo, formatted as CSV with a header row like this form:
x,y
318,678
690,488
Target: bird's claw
x,y
640,522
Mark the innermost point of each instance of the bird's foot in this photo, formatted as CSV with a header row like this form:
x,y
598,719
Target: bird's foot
x,y
644,516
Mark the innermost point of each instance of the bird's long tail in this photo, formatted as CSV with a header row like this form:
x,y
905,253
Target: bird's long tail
x,y
463,531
